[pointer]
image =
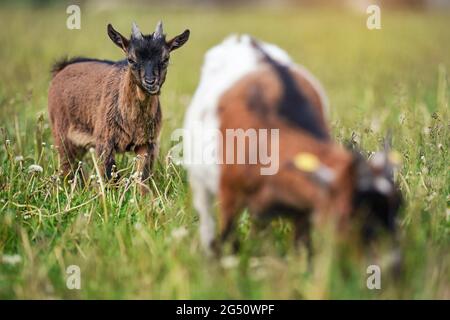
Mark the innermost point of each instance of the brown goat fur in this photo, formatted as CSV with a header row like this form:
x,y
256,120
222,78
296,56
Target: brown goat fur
x,y
112,106
290,191
257,99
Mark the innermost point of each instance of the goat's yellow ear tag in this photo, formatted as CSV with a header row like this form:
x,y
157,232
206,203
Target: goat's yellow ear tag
x,y
306,162
395,158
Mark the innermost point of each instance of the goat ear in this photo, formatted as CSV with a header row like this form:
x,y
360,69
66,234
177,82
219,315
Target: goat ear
x,y
311,165
117,38
179,40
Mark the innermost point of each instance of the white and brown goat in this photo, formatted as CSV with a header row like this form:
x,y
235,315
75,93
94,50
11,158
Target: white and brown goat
x,y
247,85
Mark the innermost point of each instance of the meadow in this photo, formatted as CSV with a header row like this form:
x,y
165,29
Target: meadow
x,y
128,246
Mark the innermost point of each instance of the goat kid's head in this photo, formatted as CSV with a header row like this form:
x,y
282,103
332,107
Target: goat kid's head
x,y
364,188
377,198
148,55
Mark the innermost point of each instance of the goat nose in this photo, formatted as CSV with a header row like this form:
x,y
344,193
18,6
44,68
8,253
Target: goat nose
x,y
150,81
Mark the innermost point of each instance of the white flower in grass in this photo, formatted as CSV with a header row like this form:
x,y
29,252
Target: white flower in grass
x,y
35,168
179,233
11,259
229,262
18,158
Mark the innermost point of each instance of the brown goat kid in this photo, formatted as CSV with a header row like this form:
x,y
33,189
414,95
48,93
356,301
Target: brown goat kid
x,y
112,106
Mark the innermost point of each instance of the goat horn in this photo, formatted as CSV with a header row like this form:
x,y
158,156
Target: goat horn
x,y
135,32
159,30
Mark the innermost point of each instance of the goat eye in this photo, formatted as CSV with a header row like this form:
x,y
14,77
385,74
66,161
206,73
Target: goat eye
x,y
165,62
131,61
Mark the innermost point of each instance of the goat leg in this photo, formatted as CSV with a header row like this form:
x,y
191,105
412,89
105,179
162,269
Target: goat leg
x,y
302,235
105,153
146,157
231,205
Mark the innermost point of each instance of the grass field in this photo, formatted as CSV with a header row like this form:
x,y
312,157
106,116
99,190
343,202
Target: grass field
x,y
128,246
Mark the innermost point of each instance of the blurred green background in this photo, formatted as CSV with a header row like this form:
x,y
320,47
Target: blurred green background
x,y
148,247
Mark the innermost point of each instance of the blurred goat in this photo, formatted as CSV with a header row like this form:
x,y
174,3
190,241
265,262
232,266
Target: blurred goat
x,y
245,85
